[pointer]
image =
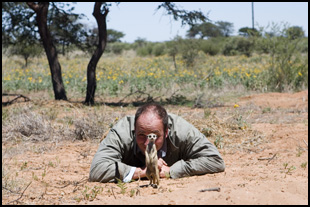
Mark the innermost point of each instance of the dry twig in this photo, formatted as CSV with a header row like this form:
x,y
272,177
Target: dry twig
x,y
267,158
305,142
17,97
20,195
218,189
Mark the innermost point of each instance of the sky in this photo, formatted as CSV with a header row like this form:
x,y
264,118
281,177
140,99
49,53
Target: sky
x,y
141,20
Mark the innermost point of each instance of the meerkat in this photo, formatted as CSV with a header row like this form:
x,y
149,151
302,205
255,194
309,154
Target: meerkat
x,y
151,159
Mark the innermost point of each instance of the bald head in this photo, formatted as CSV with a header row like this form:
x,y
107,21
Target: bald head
x,y
153,109
151,118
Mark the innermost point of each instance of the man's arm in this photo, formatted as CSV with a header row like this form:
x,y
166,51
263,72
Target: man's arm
x,y
106,164
199,155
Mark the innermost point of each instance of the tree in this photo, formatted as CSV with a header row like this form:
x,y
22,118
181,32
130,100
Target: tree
x,y
226,28
91,68
187,17
114,35
41,10
65,27
23,24
26,50
248,32
47,32
206,29
294,32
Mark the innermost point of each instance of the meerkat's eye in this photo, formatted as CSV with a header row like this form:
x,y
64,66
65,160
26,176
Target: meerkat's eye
x,y
152,136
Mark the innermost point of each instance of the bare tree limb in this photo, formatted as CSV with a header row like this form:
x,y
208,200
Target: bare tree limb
x,y
11,101
20,195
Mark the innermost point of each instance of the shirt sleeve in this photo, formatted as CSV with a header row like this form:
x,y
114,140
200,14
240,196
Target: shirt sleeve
x,y
199,155
106,164
128,178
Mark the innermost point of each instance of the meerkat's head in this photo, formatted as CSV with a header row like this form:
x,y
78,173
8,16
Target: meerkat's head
x,y
152,137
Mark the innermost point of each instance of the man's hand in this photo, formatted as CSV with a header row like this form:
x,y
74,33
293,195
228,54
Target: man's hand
x,y
161,163
164,169
164,172
139,173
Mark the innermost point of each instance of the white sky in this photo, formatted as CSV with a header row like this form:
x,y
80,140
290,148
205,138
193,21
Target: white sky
x,y
140,19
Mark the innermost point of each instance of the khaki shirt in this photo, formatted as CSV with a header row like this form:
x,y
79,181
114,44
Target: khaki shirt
x,y
189,152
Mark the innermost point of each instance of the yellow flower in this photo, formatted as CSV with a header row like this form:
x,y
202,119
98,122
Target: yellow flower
x,y
299,73
236,106
120,82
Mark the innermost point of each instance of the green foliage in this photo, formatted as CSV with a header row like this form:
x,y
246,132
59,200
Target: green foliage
x,y
116,48
288,68
26,50
238,46
205,29
184,68
114,35
210,47
158,49
186,17
90,193
304,165
219,142
145,50
121,185
189,51
294,32
249,32
226,28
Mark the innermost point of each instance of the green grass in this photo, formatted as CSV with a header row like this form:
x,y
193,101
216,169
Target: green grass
x,y
118,76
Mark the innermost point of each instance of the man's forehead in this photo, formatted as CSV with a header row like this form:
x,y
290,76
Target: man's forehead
x,y
149,114
142,131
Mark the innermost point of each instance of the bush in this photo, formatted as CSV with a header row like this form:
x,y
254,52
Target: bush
x,y
209,47
158,49
238,46
145,50
288,67
188,49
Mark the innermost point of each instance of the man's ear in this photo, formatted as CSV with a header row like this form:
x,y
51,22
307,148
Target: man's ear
x,y
166,133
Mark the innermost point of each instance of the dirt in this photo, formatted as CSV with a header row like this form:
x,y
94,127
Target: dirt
x,y
273,170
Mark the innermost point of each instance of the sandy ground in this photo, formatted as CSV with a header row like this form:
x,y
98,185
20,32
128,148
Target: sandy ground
x,y
272,171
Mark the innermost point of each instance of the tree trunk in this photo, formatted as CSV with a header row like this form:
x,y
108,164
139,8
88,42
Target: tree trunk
x,y
91,68
41,10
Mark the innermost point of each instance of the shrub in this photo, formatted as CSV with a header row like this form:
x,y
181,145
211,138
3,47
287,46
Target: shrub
x,y
209,47
145,50
238,46
158,49
288,67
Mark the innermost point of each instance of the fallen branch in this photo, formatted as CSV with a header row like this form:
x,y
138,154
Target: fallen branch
x,y
11,101
20,195
305,142
148,99
218,189
267,158
113,192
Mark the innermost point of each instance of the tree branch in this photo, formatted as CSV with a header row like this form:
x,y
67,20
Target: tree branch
x,y
33,6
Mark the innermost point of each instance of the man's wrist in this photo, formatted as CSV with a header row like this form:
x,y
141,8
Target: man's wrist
x,y
130,175
139,173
